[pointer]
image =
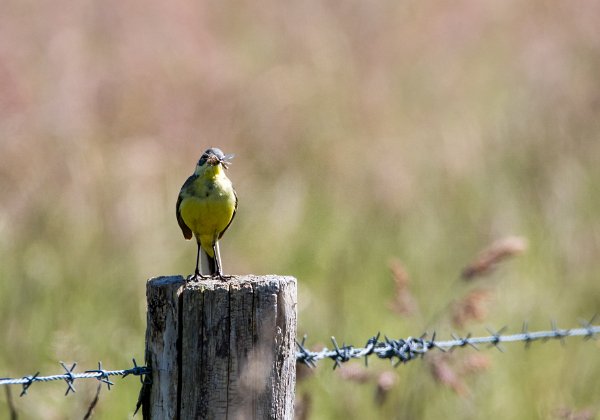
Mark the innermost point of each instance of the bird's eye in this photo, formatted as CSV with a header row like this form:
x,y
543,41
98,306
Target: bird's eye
x,y
203,159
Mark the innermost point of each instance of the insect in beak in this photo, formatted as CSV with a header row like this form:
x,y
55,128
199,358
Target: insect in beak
x,y
226,160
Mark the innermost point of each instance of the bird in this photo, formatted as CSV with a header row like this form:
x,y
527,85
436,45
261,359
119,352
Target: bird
x,y
206,206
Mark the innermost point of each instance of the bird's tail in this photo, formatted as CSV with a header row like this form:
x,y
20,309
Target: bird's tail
x,y
208,264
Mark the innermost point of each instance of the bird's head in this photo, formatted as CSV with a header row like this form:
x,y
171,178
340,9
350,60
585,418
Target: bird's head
x,y
214,157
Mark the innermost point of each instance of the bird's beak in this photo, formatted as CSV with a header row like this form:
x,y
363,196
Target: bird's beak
x,y
213,160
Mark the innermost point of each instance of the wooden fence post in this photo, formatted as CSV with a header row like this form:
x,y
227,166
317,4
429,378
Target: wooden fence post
x,y
221,349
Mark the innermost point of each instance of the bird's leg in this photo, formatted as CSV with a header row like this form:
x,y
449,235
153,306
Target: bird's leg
x,y
196,275
219,274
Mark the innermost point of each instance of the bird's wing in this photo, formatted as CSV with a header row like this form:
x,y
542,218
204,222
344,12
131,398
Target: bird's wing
x,y
187,232
232,216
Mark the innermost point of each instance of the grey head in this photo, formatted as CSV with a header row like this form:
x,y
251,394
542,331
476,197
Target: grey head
x,y
215,156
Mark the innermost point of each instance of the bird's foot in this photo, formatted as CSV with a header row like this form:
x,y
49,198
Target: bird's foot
x,y
196,277
222,276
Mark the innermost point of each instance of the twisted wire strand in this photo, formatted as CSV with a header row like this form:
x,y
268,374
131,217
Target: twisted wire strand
x,y
405,349
69,376
399,351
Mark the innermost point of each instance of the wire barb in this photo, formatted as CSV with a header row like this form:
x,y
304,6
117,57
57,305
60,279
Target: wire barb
x,y
589,327
69,377
102,375
28,381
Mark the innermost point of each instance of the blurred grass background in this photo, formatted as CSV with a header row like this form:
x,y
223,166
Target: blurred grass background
x,y
364,132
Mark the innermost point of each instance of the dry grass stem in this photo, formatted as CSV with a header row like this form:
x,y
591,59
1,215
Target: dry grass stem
x,y
444,374
355,373
403,302
490,257
385,382
474,306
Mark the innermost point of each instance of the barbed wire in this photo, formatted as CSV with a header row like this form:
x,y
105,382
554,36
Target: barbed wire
x,y
404,350
70,376
399,351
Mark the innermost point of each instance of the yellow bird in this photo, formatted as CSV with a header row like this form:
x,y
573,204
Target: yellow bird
x,y
205,208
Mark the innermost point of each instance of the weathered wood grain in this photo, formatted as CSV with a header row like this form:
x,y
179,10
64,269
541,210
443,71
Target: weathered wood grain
x,y
236,354
162,335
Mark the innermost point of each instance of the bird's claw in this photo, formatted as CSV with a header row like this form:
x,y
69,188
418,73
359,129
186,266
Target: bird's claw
x,y
196,277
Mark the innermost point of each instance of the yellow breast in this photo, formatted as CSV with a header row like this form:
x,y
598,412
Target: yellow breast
x,y
207,208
